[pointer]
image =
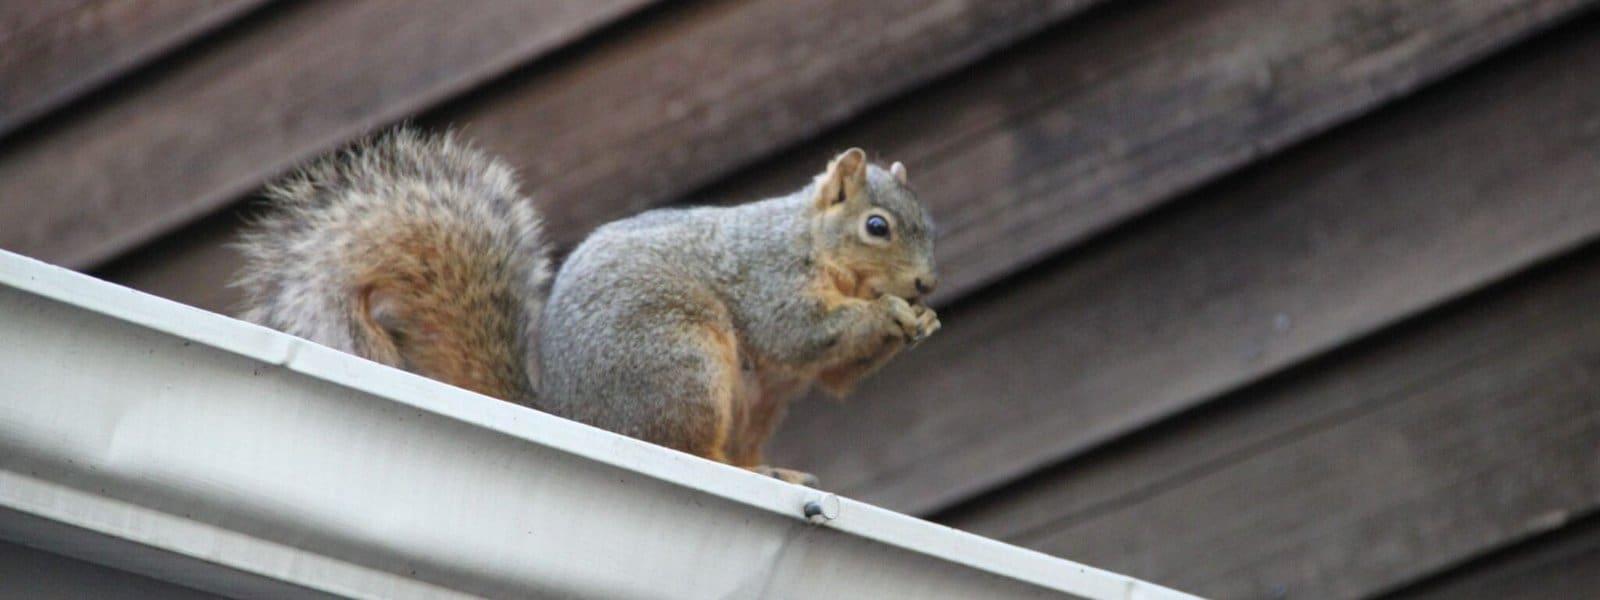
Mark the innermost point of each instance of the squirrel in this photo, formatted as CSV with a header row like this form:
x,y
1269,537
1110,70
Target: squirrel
x,y
691,328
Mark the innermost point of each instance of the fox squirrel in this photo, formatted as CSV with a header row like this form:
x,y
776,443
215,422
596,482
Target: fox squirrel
x,y
689,328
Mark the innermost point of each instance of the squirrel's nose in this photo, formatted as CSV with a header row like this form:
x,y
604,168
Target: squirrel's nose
x,y
926,284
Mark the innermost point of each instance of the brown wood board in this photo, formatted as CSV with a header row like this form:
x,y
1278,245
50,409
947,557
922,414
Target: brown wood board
x,y
1111,115
707,91
213,126
795,65
57,50
1381,466
1077,98
1297,257
696,93
1560,565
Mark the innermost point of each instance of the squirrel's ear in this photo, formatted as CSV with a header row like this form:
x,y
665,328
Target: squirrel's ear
x,y
852,164
898,169
846,175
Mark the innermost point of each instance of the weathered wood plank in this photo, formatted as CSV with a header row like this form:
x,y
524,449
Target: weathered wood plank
x,y
1384,465
213,126
1558,566
699,96
1113,115
748,76
17,17
58,50
1301,255
1079,116
192,266
697,93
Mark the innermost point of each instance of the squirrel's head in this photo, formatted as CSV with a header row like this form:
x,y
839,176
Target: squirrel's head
x,y
869,222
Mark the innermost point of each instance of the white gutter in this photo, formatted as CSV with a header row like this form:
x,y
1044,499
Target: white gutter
x,y
164,440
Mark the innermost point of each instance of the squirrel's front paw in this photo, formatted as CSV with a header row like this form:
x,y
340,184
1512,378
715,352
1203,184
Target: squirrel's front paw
x,y
904,316
927,322
915,321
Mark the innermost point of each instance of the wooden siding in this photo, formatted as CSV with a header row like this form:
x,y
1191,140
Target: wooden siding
x,y
301,82
1560,565
1254,299
56,51
1233,283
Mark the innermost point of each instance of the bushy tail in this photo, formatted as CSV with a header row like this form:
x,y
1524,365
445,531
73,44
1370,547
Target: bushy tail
x,y
416,251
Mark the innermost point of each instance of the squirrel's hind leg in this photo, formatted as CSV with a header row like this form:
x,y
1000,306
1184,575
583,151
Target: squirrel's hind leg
x,y
764,395
734,438
693,410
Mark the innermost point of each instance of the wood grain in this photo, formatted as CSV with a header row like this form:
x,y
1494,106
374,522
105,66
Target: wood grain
x,y
58,50
214,126
1297,257
1556,566
1115,114
694,95
1382,466
1056,109
709,91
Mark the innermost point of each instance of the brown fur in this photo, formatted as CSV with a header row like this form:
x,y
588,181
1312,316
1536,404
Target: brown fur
x,y
726,380
764,394
428,300
417,252
847,364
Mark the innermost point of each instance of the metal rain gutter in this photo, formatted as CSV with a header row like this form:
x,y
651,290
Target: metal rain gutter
x,y
159,439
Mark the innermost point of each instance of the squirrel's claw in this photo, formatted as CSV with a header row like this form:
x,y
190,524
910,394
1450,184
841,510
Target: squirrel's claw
x,y
787,475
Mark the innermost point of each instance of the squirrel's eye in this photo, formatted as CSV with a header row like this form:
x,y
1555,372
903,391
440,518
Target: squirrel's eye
x,y
877,226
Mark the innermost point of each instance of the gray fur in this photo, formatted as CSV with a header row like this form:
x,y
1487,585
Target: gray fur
x,y
626,299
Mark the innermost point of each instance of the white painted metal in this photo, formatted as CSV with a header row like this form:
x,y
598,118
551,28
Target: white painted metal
x,y
166,441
